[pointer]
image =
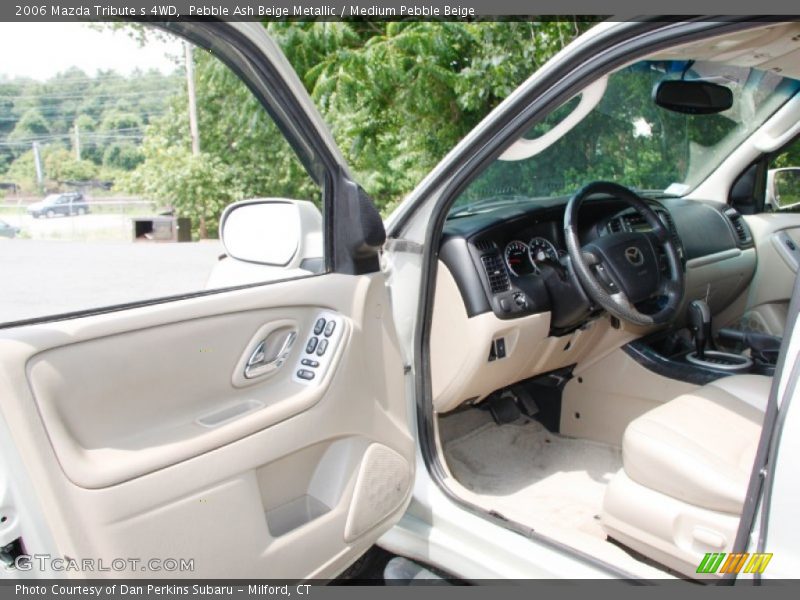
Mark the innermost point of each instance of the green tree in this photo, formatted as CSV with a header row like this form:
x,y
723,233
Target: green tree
x,y
109,109
31,125
61,165
397,95
123,156
198,187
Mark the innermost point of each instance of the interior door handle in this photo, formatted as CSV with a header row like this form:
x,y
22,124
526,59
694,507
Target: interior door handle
x,y
270,354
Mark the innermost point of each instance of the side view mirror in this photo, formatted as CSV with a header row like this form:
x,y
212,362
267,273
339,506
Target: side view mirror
x,y
693,97
783,187
272,231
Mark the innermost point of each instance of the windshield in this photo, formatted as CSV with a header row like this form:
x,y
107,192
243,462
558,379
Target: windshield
x,y
51,199
615,131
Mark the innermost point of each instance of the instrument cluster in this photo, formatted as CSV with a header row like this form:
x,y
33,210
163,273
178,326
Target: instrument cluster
x,y
523,258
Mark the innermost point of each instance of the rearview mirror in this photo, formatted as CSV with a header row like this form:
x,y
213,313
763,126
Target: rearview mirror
x,y
275,232
783,187
693,97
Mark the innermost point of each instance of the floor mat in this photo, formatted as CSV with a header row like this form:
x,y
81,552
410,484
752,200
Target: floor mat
x,y
531,474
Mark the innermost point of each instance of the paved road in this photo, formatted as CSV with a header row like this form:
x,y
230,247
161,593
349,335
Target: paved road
x,y
39,277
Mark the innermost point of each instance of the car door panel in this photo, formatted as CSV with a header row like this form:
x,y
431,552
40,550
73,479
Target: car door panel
x,y
172,388
771,288
291,480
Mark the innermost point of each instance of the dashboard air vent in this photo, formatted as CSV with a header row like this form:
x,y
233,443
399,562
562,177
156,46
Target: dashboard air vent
x,y
635,222
496,273
738,225
484,245
615,225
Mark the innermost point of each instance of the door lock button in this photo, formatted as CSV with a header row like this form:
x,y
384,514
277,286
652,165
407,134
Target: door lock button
x,y
307,362
305,374
311,345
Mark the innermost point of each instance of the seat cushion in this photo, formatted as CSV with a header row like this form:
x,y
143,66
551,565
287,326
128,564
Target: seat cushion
x,y
700,447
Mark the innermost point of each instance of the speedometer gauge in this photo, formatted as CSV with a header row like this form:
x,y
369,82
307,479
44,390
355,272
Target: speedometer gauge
x,y
518,259
540,250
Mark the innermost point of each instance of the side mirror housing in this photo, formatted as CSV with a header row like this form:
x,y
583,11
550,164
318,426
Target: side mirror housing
x,y
277,232
693,97
783,187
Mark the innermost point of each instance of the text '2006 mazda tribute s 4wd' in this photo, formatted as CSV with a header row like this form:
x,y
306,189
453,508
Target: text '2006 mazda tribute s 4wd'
x,y
571,352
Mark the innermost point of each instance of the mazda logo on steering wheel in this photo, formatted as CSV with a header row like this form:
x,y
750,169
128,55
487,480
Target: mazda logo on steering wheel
x,y
634,256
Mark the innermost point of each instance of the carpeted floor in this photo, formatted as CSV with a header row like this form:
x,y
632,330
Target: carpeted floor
x,y
529,473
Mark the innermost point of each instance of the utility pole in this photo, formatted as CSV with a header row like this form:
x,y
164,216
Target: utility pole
x,y
77,142
187,49
37,159
202,228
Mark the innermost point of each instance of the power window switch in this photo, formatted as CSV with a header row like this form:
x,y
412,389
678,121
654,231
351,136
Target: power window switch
x,y
329,329
323,345
311,345
319,326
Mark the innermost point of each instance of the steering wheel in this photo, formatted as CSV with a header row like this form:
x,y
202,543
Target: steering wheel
x,y
622,269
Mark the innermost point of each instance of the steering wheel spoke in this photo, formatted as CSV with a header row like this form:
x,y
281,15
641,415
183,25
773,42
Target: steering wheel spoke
x,y
600,270
621,299
590,258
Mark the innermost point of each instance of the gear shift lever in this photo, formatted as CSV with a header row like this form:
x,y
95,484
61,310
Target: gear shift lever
x,y
700,324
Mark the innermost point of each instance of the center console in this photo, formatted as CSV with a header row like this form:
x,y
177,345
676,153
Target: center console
x,y
703,359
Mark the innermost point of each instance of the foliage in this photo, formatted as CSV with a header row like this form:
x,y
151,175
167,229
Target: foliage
x,y
109,109
790,157
61,165
58,163
397,96
626,138
123,156
32,123
23,172
195,186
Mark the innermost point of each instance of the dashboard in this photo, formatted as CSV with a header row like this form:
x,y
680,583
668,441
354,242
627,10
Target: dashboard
x,y
513,261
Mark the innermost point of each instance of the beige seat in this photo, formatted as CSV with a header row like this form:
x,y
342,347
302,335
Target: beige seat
x,y
686,468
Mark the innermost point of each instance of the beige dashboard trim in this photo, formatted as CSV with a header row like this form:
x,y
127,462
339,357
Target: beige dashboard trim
x,y
709,259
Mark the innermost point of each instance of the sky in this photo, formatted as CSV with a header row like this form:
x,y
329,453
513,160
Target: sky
x,y
40,50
